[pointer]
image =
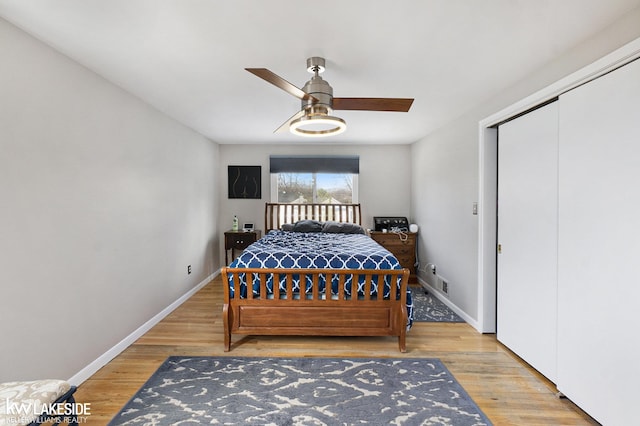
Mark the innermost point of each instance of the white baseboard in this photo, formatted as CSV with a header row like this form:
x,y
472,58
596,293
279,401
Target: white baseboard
x,y
103,359
438,294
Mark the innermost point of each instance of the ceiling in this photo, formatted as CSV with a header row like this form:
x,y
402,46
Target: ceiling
x,y
187,57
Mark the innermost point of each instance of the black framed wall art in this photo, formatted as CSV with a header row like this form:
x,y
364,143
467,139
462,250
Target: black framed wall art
x,y
245,181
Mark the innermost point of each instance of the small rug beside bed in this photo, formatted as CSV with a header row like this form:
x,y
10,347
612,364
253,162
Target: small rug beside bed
x,y
301,391
428,308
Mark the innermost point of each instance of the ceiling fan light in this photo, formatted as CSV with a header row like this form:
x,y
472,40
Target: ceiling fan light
x,y
317,125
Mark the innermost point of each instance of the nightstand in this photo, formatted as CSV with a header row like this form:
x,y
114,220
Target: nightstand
x,y
402,246
238,240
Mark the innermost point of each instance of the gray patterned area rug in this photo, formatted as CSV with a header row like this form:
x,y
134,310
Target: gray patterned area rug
x,y
428,308
301,391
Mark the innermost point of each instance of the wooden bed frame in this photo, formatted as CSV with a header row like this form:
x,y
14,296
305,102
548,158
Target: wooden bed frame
x,y
314,314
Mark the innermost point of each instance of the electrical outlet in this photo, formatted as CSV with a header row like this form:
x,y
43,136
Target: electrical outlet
x,y
188,269
438,283
433,269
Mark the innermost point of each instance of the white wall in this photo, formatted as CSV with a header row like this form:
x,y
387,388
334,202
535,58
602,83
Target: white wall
x,y
445,173
104,203
444,177
384,179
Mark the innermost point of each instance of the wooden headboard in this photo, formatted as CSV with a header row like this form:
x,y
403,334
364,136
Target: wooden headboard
x,y
277,214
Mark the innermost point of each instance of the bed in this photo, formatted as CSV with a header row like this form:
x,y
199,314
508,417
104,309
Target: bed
x,y
334,281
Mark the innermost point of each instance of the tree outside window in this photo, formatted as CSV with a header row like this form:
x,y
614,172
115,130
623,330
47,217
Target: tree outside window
x,y
317,188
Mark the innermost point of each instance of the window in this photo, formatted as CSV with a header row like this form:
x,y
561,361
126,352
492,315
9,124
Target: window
x,y
317,188
314,179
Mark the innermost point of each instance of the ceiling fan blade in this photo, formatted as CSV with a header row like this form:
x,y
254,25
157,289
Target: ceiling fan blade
x,y
285,125
280,82
373,104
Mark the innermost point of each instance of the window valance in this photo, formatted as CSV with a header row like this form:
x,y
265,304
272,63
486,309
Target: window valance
x,y
314,164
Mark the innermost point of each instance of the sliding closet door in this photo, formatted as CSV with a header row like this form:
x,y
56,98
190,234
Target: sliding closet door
x,y
599,246
527,234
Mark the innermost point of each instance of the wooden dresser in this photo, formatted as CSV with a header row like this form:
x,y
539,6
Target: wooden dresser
x,y
403,247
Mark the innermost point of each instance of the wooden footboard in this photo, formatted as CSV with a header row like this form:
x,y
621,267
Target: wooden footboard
x,y
314,314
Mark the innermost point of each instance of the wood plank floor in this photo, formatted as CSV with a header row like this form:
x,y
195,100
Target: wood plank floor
x,y
506,389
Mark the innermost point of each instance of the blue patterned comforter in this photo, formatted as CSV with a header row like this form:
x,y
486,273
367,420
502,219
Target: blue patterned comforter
x,y
284,249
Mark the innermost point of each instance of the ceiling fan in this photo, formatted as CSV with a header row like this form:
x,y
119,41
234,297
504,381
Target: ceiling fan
x,y
315,117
